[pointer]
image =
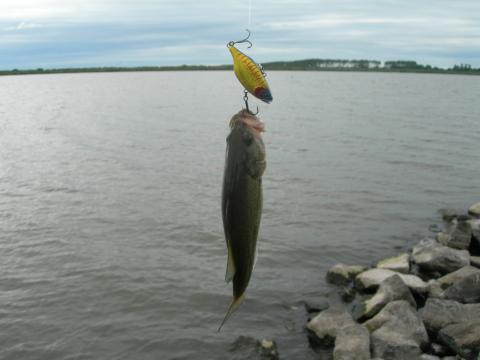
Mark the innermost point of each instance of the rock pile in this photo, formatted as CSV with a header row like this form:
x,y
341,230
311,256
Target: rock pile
x,y
419,305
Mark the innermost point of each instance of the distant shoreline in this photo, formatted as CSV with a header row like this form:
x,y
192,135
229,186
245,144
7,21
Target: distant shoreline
x,y
297,65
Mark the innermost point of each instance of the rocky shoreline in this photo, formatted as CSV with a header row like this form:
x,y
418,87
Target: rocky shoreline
x,y
423,304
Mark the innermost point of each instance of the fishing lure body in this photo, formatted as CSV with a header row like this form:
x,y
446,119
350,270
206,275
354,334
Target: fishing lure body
x,y
250,74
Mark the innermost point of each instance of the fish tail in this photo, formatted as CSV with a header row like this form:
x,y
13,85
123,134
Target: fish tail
x,y
233,306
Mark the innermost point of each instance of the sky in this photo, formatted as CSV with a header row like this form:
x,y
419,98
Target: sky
x,y
86,33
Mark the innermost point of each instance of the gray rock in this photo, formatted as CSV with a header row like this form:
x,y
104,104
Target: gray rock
x,y
315,305
449,279
327,324
398,263
474,210
341,274
443,238
387,345
463,338
268,349
402,321
432,256
466,290
246,347
475,261
439,313
439,349
429,357
352,343
391,289
461,235
371,280
434,289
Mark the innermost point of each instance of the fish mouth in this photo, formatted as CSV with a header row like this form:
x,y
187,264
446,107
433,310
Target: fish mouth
x,y
250,121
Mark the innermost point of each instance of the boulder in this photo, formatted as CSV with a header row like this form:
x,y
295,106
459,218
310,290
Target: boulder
x,y
246,347
475,243
398,263
466,290
326,325
447,280
401,320
352,343
475,261
268,349
387,345
391,289
341,274
439,313
371,280
443,238
428,357
397,332
429,255
315,305
460,236
474,210
435,290
463,338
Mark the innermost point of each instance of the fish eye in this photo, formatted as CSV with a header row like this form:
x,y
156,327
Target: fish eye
x,y
247,139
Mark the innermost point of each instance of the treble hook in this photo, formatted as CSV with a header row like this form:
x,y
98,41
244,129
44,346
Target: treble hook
x,y
231,43
245,98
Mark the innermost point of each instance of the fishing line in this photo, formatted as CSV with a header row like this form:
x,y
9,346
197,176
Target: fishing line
x,y
249,14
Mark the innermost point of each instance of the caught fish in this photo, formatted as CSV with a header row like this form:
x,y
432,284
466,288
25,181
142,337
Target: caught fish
x,y
242,201
249,73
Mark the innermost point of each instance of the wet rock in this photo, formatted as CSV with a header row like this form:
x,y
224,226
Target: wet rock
x,y
347,294
443,238
463,338
398,263
460,236
402,321
352,343
439,313
246,347
466,290
448,215
456,276
439,349
268,349
341,274
475,261
434,289
432,256
475,243
474,210
315,306
371,280
391,289
326,325
428,357
397,332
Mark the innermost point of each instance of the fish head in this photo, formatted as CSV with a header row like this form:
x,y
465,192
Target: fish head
x,y
254,149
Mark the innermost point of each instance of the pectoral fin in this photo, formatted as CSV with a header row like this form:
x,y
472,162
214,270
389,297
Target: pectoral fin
x,y
230,266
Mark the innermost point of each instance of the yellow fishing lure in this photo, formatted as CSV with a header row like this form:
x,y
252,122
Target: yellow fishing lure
x,y
249,73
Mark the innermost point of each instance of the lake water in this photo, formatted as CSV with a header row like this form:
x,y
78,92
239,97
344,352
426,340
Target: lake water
x,y
111,240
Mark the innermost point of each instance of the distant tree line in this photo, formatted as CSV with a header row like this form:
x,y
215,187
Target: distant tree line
x,y
300,65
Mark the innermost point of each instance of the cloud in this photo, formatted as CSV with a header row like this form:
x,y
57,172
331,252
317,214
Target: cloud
x,y
168,32
23,26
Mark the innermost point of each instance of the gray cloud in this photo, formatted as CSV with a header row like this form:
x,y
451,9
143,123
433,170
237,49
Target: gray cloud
x,y
54,33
